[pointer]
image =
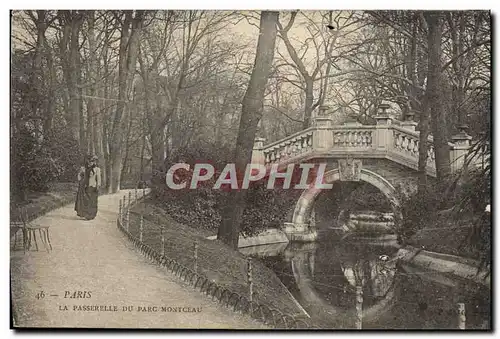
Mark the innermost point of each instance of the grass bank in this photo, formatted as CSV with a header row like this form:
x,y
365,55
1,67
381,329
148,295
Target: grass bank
x,y
455,237
216,261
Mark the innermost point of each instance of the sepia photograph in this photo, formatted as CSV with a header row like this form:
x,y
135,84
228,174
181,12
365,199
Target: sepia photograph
x,y
250,169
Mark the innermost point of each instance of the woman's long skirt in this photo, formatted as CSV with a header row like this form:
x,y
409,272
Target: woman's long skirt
x,y
86,202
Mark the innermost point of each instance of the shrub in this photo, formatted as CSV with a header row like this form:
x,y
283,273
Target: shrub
x,y
35,164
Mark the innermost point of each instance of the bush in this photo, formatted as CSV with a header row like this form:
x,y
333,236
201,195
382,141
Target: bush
x,y
458,201
267,208
35,164
32,166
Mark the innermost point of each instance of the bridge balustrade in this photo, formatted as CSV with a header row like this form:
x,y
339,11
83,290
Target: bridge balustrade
x,y
395,140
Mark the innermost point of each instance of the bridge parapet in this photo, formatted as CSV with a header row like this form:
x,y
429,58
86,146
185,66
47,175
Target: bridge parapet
x,y
389,138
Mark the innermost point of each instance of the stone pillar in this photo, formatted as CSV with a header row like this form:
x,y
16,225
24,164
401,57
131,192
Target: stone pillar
x,y
460,148
383,134
322,134
409,123
257,152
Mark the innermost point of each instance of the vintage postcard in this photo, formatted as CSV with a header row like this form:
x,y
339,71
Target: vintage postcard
x,y
208,169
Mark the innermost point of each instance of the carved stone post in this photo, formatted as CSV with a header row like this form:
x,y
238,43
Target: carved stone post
x,y
460,148
409,123
322,134
257,153
383,135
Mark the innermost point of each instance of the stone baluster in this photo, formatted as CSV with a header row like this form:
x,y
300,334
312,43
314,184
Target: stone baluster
x,y
277,152
362,138
415,147
309,140
288,148
297,145
282,151
411,144
397,140
272,157
405,143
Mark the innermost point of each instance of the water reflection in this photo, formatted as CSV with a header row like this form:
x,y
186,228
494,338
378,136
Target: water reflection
x,y
355,284
345,289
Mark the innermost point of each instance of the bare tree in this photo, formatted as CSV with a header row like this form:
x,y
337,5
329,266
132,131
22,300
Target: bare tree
x,y
252,106
131,26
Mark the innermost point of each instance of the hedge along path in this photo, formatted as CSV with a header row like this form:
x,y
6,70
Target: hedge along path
x,y
94,256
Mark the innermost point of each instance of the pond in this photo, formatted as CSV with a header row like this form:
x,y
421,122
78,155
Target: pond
x,y
357,284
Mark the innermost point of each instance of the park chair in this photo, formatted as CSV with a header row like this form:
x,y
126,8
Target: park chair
x,y
29,230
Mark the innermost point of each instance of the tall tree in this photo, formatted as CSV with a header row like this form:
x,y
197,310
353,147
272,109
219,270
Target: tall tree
x,y
251,113
129,44
434,94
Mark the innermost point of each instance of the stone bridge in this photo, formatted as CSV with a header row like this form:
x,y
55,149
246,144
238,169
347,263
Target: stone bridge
x,y
384,155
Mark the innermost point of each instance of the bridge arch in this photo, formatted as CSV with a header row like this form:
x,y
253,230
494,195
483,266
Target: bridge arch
x,y
303,207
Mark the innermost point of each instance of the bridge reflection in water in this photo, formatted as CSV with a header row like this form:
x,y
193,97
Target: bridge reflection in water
x,y
358,284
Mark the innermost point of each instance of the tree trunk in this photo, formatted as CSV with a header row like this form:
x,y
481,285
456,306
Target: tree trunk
x,y
51,93
103,116
92,78
308,108
434,95
129,43
251,113
74,76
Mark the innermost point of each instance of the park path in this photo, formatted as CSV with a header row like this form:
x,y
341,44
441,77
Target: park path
x,y
95,256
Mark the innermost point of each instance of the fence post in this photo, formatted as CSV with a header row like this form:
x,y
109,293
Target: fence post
x,y
461,316
143,191
162,242
135,191
249,279
124,202
141,225
196,256
120,212
359,307
129,198
128,218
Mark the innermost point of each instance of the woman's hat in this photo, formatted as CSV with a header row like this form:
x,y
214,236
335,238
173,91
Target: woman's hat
x,y
91,157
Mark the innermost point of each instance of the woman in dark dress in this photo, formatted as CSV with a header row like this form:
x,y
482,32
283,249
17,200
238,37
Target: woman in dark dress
x,y
89,182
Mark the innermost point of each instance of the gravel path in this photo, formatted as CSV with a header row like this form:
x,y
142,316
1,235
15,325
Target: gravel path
x,y
93,272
